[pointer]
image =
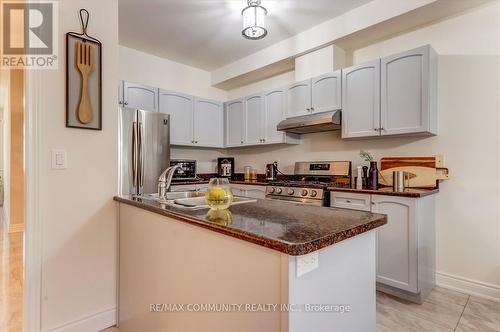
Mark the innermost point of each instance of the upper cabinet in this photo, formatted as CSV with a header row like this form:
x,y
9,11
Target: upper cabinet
x,y
299,98
326,92
208,123
315,95
139,96
193,121
408,92
234,123
253,120
180,108
361,100
392,96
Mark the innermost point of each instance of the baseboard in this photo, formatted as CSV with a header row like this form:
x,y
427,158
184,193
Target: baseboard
x,y
468,286
93,323
16,228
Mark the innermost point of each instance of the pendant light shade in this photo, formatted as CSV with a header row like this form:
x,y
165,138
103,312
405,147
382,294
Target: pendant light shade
x,y
254,16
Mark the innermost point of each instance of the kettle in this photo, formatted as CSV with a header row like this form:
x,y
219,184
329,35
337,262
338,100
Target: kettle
x,y
272,171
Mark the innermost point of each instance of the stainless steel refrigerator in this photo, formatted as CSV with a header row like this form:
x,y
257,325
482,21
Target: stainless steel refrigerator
x,y
144,150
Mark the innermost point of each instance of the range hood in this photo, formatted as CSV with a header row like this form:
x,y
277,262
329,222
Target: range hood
x,y
313,123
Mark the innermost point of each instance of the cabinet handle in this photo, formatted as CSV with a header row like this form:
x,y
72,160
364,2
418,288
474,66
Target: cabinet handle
x,y
241,142
348,201
381,128
376,129
264,140
312,108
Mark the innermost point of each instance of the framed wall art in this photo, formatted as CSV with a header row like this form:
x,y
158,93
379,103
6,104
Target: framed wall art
x,y
83,78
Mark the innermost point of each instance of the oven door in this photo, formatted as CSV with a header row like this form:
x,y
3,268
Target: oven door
x,y
308,201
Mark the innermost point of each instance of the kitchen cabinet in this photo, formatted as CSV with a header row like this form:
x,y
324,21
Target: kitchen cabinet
x,y
234,123
326,92
395,95
299,98
397,242
140,96
406,247
193,121
254,119
208,123
361,100
408,92
180,108
246,190
315,95
351,201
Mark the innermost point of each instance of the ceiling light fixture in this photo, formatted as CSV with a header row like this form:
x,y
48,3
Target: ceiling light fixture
x,y
254,16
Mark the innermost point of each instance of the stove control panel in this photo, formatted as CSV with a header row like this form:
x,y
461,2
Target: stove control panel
x,y
295,192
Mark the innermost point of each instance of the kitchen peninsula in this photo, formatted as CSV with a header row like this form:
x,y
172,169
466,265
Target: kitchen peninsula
x,y
321,261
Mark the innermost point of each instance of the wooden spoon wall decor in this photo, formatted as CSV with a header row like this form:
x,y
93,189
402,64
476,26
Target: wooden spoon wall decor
x,y
84,65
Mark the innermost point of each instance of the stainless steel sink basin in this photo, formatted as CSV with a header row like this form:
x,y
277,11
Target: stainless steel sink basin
x,y
173,195
189,200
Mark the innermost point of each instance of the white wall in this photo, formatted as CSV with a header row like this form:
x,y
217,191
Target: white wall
x,y
77,213
468,209
144,68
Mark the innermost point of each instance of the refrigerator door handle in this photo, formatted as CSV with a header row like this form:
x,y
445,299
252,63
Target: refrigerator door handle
x,y
141,154
134,154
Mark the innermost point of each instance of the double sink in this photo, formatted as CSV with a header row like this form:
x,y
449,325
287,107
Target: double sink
x,y
189,200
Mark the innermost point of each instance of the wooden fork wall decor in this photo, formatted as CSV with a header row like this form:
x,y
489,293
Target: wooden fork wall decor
x,y
84,65
83,78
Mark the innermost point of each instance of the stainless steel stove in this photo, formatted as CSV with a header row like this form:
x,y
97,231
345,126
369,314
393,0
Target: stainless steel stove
x,y
310,182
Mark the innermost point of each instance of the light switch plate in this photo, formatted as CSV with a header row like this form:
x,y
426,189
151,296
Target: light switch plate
x,y
59,159
307,263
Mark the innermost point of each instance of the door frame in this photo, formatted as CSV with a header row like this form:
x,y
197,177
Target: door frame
x,y
33,229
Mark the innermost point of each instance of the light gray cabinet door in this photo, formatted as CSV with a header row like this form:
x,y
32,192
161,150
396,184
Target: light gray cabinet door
x,y
234,122
405,99
208,123
397,251
299,98
326,92
180,107
254,119
120,93
361,100
274,110
140,96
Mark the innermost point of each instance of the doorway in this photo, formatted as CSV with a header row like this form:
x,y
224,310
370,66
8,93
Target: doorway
x,y
12,199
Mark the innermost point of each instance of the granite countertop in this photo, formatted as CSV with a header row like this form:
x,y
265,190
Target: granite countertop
x,y
203,181
408,192
292,228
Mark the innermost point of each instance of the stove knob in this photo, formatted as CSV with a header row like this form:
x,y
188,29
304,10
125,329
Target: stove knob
x,y
314,193
278,190
271,190
291,191
304,192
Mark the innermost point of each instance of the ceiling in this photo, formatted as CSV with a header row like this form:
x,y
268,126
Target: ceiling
x,y
207,33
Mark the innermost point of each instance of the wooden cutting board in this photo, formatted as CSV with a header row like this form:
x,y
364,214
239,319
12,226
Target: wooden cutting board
x,y
425,171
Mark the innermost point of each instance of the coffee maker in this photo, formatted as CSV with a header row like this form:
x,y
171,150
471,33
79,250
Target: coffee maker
x,y
272,171
225,167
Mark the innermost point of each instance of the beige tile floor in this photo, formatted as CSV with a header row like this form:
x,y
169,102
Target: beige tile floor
x,y
11,281
443,311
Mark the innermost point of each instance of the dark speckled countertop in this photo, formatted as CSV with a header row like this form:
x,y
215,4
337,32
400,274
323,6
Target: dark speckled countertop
x,y
292,228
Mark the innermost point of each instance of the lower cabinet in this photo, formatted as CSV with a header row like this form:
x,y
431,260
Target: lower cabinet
x,y
397,263
246,190
405,245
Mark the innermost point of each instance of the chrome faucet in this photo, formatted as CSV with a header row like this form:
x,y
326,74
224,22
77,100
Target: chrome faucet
x,y
165,180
